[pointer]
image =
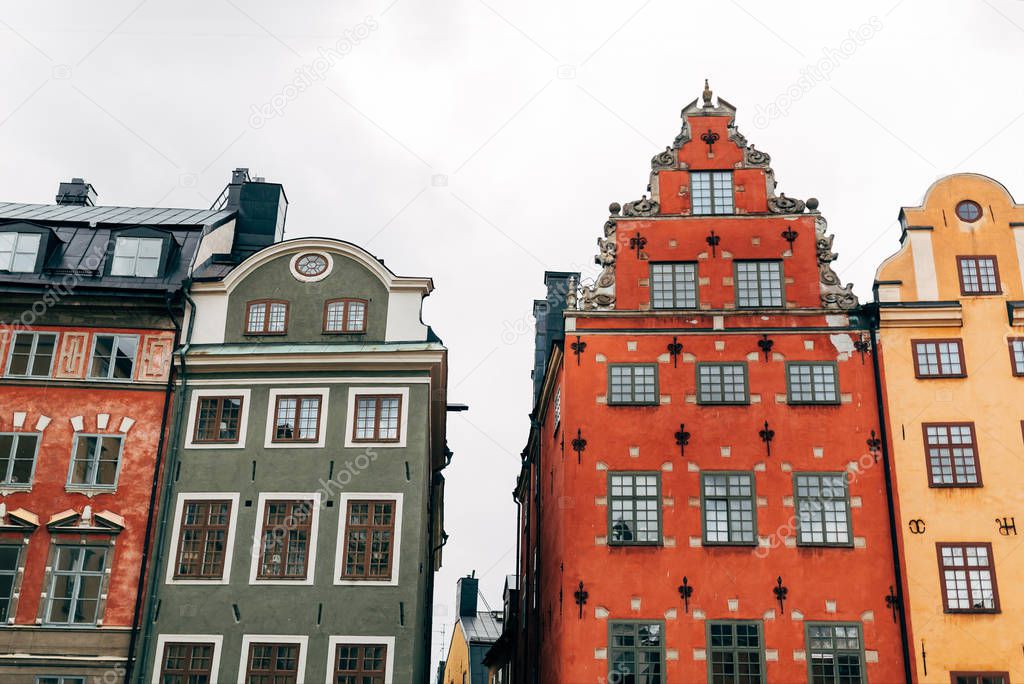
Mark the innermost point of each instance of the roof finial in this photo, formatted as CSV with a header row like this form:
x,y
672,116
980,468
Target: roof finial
x,y
707,94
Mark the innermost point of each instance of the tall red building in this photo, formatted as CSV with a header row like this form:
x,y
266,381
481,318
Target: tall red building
x,y
704,492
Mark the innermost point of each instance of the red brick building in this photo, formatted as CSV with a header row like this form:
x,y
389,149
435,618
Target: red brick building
x,y
704,492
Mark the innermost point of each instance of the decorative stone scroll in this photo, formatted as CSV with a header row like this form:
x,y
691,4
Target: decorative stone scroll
x,y
601,295
833,294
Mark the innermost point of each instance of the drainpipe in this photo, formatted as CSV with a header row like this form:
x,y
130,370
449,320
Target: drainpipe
x,y
890,499
172,461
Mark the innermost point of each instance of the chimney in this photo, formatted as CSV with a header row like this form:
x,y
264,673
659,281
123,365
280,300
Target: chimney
x,y
262,208
549,324
77,193
465,595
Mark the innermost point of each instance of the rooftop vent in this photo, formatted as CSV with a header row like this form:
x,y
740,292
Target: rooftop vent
x,y
77,193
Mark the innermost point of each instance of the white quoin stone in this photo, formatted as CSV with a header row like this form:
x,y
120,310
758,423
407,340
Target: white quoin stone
x,y
600,612
671,654
700,654
631,345
734,605
126,424
634,603
671,614
830,606
634,451
19,419
600,654
102,419
42,423
720,345
77,423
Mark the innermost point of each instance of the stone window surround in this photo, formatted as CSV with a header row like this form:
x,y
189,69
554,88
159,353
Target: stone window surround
x,y
179,508
193,410
337,640
396,539
302,640
163,639
314,531
268,438
403,418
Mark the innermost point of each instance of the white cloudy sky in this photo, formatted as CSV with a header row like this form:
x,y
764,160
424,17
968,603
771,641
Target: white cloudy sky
x,y
480,142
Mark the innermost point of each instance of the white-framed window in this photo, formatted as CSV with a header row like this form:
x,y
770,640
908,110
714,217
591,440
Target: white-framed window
x,y
374,416
366,531
18,251
18,458
236,427
188,538
285,538
76,585
187,658
361,659
273,658
113,357
95,461
711,192
137,256
32,355
297,418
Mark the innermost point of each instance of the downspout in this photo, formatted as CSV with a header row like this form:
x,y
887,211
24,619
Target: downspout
x,y
154,487
168,482
890,499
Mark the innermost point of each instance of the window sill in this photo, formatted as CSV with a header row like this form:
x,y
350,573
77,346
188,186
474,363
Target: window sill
x,y
746,545
90,490
723,403
641,545
790,402
633,403
941,377
955,485
6,489
972,611
823,545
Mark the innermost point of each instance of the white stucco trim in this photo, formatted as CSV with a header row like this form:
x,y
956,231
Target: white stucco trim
x,y
229,548
403,418
924,265
404,311
310,279
314,530
1018,238
322,392
389,663
396,548
248,639
243,425
163,639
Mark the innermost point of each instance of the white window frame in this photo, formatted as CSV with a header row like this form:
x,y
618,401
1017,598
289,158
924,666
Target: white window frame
x,y
257,537
20,486
8,265
135,256
396,541
83,486
50,584
32,354
193,411
268,438
179,508
163,639
248,639
336,640
113,356
403,426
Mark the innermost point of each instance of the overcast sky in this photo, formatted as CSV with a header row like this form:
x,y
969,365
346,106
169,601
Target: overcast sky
x,y
480,142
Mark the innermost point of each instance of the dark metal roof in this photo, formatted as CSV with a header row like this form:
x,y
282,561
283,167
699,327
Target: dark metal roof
x,y
484,627
136,216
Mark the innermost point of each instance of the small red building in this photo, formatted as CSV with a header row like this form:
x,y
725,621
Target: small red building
x,y
704,493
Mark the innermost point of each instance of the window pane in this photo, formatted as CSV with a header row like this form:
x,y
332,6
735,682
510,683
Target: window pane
x,y
102,356
124,357
356,316
43,357
335,317
256,318
27,248
278,316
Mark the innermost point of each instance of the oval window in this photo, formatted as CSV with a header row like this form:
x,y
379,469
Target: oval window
x,y
969,211
311,265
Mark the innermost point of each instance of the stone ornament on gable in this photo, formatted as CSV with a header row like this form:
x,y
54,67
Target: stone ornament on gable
x,y
833,294
641,207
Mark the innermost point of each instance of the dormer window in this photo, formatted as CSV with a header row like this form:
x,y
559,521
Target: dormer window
x,y
19,252
137,256
711,192
266,318
345,316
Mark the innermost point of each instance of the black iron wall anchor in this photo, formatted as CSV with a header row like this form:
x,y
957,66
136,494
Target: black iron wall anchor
x,y
767,435
685,592
917,526
924,658
682,439
713,241
874,445
581,597
637,243
579,445
790,236
892,602
578,347
710,138
766,344
862,345
1007,526
781,593
675,349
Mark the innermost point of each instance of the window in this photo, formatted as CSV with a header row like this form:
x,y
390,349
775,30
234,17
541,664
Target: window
x,y
18,252
17,457
345,316
634,508
113,357
637,653
633,384
187,663
674,286
979,677
311,264
727,500
812,383
59,679
558,408
9,556
202,539
95,460
369,540
1017,355
968,578
822,508
297,419
76,585
722,383
979,275
938,359
272,664
218,419
735,654
758,284
284,549
32,355
137,256
952,455
266,318
360,663
834,653
711,192
968,210
377,418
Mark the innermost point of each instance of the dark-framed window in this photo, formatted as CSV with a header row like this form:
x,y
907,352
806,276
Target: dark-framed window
x,y
968,210
345,316
979,275
378,418
722,383
187,662
735,652
758,284
285,539
633,383
967,577
59,679
729,505
113,357
1017,355
95,460
137,256
939,358
952,453
674,285
369,540
835,653
18,458
32,355
812,382
634,508
979,677
202,539
636,652
19,252
218,419
266,317
360,663
10,555
76,585
297,418
270,663
711,192
822,503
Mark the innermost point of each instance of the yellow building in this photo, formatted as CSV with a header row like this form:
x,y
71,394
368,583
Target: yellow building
x,y
952,358
473,635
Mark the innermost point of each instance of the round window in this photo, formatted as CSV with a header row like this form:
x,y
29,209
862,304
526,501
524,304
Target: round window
x,y
311,264
969,211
